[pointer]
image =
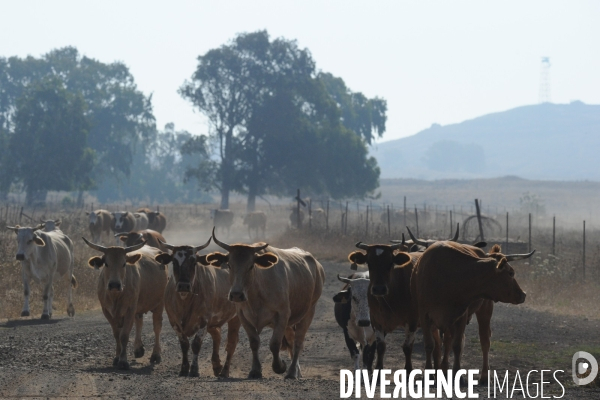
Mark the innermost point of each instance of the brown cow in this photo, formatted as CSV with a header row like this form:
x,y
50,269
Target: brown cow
x,y
156,220
150,237
256,220
122,221
275,288
222,219
451,282
196,302
130,284
100,221
389,296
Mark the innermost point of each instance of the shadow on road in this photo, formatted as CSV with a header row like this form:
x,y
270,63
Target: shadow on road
x,y
29,322
144,370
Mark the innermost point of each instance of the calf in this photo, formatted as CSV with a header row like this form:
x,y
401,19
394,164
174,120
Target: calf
x,y
275,288
99,221
148,236
256,221
196,302
451,282
45,256
352,315
130,284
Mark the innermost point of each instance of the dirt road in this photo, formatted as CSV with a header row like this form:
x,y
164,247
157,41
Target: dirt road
x,y
73,357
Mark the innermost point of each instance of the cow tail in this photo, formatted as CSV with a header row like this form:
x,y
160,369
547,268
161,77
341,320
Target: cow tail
x,y
73,281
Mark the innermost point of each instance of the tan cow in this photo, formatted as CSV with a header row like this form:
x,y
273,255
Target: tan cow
x,y
452,281
130,284
156,220
196,302
150,237
273,288
99,222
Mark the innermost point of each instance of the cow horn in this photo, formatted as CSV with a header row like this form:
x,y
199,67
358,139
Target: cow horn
x,y
455,238
362,245
345,280
396,246
40,226
168,246
121,234
135,247
261,247
515,257
218,242
94,246
403,241
415,240
198,248
13,228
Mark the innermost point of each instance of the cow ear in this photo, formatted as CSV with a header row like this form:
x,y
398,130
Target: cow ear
x,y
358,257
87,213
414,248
266,261
216,259
96,262
202,260
163,258
39,241
123,238
401,260
133,258
342,297
495,249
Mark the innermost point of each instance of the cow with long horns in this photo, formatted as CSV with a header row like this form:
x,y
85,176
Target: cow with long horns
x,y
130,284
273,288
452,282
196,302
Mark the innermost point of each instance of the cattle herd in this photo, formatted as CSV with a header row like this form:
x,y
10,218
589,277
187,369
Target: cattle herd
x,y
433,285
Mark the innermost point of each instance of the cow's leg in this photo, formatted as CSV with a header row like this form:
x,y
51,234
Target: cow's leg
x,y
279,325
196,345
215,333
254,339
380,346
127,325
184,343
369,356
71,282
445,364
26,291
299,334
351,345
458,342
426,327
288,341
484,317
116,332
233,336
138,346
157,317
407,348
437,350
47,312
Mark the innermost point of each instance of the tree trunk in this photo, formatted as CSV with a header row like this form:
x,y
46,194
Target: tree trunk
x,y
252,189
80,199
227,170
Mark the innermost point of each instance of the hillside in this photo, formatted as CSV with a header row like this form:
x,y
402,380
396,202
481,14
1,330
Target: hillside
x,y
543,141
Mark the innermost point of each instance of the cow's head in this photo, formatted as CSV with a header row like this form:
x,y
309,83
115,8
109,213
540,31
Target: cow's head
x,y
381,259
119,219
132,238
51,225
184,259
152,215
93,217
27,239
242,260
357,291
502,283
115,261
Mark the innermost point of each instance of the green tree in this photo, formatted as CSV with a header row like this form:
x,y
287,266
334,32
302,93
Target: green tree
x,y
48,150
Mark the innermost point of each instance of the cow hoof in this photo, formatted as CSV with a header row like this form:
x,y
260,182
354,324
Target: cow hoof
x,y
115,361
155,358
279,369
70,310
194,372
291,376
255,375
463,382
123,365
45,316
483,381
139,352
217,370
224,373
24,313
184,371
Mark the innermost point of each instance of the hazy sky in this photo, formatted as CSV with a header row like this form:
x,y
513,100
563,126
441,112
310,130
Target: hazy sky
x,y
433,61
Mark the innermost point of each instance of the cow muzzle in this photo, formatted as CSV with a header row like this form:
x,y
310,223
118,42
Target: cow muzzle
x,y
184,287
237,297
522,298
113,285
20,256
379,290
364,323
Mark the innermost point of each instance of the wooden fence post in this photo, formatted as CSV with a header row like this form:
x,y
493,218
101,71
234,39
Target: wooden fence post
x,y
554,235
389,225
367,222
310,214
346,219
417,220
529,232
298,221
327,217
506,249
404,226
478,209
583,250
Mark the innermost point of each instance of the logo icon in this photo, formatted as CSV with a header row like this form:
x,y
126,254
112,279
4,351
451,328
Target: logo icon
x,y
582,367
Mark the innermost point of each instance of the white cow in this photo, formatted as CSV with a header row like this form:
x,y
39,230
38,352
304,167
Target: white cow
x,y
45,256
51,225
